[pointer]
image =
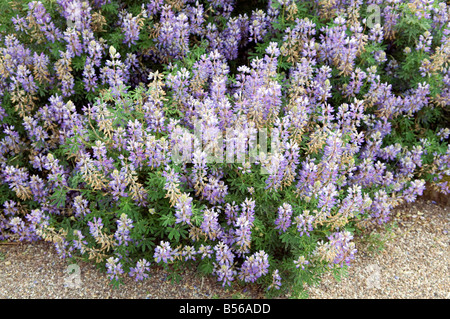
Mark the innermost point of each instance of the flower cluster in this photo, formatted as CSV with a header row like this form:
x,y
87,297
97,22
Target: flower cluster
x,y
243,140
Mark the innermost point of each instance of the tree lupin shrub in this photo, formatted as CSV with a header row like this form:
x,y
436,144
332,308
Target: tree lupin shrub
x,y
249,142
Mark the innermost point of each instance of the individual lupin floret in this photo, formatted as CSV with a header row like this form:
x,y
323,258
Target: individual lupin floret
x,y
376,33
214,190
301,262
173,36
154,6
78,242
130,26
304,223
38,189
327,197
164,252
283,220
254,267
20,23
114,73
42,22
210,225
118,184
339,250
425,41
172,184
243,235
74,46
188,253
95,227
141,270
114,268
443,133
81,206
223,265
196,18
276,280
415,189
40,67
183,209
37,220
259,24
63,73
17,178
89,76
205,251
124,225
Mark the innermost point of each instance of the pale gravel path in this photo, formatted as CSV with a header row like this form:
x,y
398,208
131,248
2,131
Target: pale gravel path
x,y
414,264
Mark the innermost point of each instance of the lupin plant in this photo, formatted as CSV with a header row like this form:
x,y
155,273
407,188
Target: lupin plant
x,y
249,142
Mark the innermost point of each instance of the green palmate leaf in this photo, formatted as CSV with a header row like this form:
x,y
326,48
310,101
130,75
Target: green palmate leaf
x,y
75,180
78,63
174,234
58,198
206,266
167,220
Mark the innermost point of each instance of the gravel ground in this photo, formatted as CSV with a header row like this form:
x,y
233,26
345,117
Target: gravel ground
x,y
413,264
